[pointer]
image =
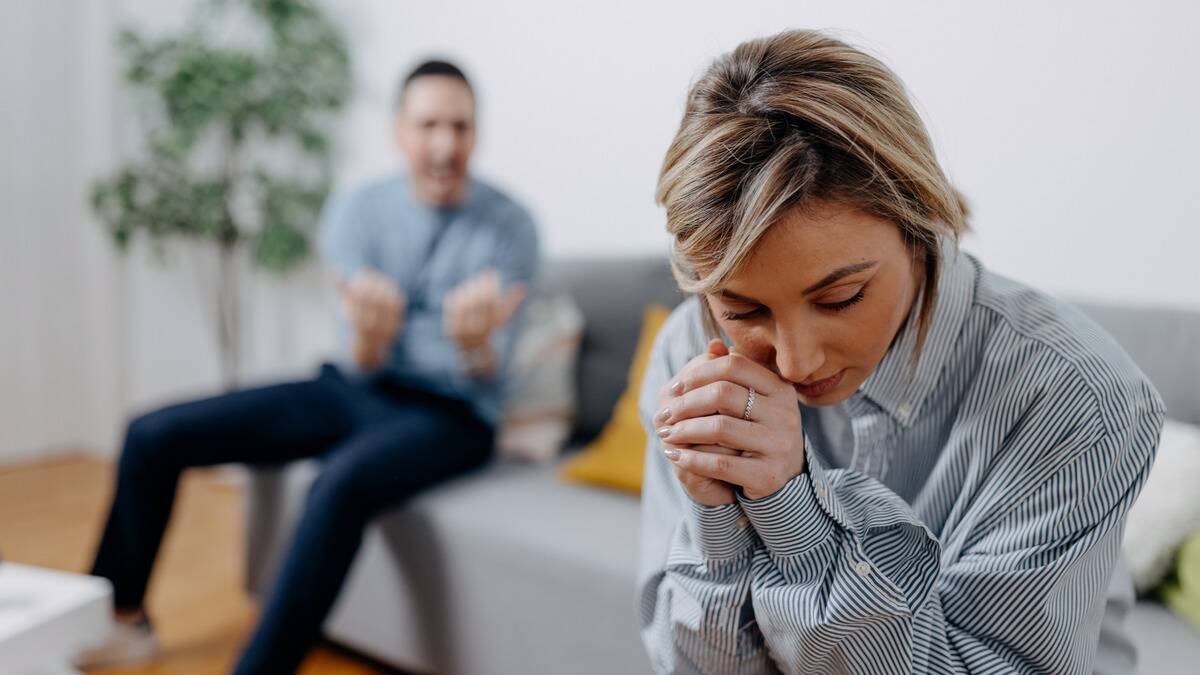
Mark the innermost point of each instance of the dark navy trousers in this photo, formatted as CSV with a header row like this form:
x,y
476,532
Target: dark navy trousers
x,y
380,441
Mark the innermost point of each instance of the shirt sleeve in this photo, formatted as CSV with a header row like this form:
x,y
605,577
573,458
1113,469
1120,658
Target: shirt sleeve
x,y
344,241
516,257
848,576
345,249
694,575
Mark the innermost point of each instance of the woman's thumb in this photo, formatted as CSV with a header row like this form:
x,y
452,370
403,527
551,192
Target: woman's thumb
x,y
717,347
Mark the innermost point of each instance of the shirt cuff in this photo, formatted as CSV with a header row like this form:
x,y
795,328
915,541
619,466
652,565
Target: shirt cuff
x,y
719,532
794,519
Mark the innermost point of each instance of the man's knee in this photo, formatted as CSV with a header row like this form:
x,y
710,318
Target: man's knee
x,y
149,437
341,491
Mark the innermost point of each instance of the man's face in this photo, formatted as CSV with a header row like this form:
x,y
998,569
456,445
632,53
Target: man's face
x,y
435,130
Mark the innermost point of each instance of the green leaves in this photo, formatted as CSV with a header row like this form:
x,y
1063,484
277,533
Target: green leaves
x,y
236,146
284,203
157,200
207,85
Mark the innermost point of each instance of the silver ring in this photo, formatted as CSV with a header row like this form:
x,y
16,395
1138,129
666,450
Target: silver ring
x,y
749,404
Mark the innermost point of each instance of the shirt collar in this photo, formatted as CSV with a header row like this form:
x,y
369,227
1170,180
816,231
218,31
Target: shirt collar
x,y
893,385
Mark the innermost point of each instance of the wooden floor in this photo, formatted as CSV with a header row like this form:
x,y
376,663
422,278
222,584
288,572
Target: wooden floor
x,y
51,513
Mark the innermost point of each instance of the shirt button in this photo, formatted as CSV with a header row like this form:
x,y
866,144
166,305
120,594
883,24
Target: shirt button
x,y
863,569
741,522
820,489
905,409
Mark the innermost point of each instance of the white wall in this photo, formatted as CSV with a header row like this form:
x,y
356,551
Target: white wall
x,y
61,314
1070,125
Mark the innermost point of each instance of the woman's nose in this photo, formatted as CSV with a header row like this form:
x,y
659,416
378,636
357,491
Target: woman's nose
x,y
798,357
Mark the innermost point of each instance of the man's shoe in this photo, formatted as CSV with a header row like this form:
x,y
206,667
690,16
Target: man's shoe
x,y
127,644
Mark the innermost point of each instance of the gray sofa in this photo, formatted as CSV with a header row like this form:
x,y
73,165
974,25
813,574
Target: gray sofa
x,y
511,570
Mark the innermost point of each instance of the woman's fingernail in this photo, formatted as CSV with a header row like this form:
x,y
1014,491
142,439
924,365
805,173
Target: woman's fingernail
x,y
663,432
664,415
671,453
677,388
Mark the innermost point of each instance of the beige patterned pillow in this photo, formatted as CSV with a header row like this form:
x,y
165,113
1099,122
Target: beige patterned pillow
x,y
541,403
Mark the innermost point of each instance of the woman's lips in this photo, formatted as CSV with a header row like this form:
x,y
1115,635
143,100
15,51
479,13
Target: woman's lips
x,y
820,387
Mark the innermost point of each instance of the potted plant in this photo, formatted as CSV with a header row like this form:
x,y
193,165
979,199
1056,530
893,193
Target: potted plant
x,y
233,122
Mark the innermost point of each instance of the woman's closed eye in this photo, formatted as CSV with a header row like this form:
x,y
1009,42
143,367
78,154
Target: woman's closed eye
x,y
840,305
741,316
834,306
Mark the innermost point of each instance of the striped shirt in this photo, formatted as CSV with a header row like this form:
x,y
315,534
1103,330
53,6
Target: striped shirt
x,y
974,526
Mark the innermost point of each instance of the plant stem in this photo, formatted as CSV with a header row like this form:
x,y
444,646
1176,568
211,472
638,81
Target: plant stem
x,y
229,330
228,324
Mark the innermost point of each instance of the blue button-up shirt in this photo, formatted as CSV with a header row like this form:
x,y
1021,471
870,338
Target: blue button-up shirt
x,y
428,251
973,526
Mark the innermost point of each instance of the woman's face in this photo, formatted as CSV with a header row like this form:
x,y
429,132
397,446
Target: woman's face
x,y
824,293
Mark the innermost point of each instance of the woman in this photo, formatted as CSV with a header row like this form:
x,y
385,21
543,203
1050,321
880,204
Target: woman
x,y
949,494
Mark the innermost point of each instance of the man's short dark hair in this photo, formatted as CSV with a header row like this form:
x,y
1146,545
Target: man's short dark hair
x,y
430,68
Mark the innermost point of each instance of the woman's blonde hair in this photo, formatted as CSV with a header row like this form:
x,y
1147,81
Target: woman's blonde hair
x,y
789,118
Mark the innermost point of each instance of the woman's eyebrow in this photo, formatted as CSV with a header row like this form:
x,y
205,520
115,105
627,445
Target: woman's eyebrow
x,y
739,297
840,274
830,278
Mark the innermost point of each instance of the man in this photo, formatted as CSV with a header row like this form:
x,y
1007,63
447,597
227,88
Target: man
x,y
430,267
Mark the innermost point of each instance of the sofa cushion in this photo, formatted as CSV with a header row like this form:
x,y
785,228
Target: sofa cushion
x,y
1165,644
611,294
530,509
1162,342
508,570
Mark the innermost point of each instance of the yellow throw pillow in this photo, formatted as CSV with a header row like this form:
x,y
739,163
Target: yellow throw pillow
x,y
615,458
1181,590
